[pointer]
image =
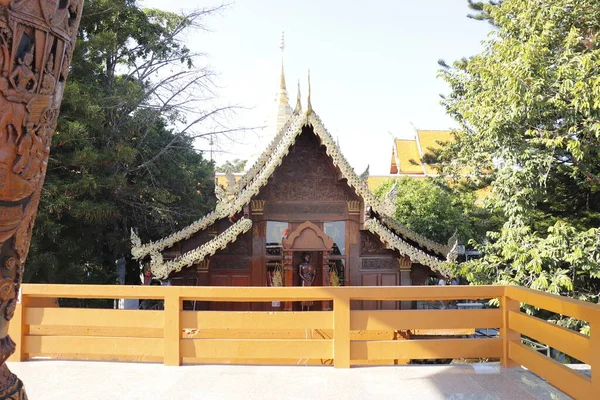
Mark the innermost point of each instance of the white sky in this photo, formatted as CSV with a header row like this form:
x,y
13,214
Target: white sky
x,y
373,65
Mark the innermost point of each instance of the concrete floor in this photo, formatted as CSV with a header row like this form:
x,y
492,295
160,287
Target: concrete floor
x,y
85,380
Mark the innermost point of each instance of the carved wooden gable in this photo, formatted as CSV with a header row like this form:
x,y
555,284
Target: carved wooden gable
x,y
306,175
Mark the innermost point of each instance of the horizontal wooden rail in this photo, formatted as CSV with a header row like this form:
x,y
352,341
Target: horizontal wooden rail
x,y
558,304
581,347
343,335
257,348
94,317
93,345
569,342
425,319
256,320
564,378
246,294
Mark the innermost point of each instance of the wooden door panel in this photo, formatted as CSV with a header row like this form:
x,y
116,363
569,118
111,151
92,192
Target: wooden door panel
x,y
240,280
220,280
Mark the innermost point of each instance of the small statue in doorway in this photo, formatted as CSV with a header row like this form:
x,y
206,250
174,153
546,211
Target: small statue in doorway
x,y
307,272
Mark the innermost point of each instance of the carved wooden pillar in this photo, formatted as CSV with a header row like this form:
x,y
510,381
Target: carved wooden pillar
x,y
288,267
36,45
405,279
326,304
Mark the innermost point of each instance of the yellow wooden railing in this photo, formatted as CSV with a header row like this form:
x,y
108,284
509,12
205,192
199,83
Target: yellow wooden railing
x,y
174,336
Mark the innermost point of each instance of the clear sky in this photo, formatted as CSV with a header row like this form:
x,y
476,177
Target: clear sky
x,y
373,64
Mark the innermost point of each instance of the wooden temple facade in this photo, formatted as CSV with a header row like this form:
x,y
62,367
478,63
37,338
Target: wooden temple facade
x,y
300,197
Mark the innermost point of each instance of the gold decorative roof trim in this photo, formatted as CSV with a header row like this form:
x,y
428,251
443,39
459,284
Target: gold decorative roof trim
x,y
393,241
228,208
139,250
264,157
161,269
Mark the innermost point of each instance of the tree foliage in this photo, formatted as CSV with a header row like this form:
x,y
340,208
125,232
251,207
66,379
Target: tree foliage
x,y
123,154
529,112
480,12
434,210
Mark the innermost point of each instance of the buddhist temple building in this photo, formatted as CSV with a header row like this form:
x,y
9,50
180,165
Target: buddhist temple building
x,y
299,198
410,156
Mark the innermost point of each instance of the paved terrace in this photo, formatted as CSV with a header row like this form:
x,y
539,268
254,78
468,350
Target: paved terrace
x,y
66,380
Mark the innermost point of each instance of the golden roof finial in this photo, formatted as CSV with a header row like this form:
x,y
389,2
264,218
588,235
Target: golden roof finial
x,y
308,103
282,47
298,109
283,104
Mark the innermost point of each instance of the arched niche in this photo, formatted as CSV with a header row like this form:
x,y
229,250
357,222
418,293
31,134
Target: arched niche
x,y
308,237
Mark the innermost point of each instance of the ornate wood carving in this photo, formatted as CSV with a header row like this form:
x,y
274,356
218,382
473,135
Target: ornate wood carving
x,y
306,152
202,266
229,263
405,263
353,207
36,43
370,244
306,189
257,207
261,229
306,174
379,263
304,208
308,236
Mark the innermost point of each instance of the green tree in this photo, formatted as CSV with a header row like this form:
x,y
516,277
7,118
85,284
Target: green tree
x,y
232,166
529,109
123,154
481,13
433,209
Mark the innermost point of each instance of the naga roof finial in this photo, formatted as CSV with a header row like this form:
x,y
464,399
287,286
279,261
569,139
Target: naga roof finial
x,y
298,109
308,105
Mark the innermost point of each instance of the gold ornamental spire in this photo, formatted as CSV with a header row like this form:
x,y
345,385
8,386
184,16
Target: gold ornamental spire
x,y
308,103
284,110
282,78
298,109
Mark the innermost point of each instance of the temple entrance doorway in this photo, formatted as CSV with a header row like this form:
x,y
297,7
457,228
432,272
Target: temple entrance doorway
x,y
306,263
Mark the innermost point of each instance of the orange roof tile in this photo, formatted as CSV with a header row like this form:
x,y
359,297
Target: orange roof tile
x,y
408,154
430,140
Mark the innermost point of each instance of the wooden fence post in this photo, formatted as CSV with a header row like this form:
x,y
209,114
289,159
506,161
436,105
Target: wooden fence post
x,y
506,334
595,359
341,332
172,328
17,330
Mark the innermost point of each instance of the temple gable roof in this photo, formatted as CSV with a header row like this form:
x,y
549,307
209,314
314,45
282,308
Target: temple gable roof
x,y
418,248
